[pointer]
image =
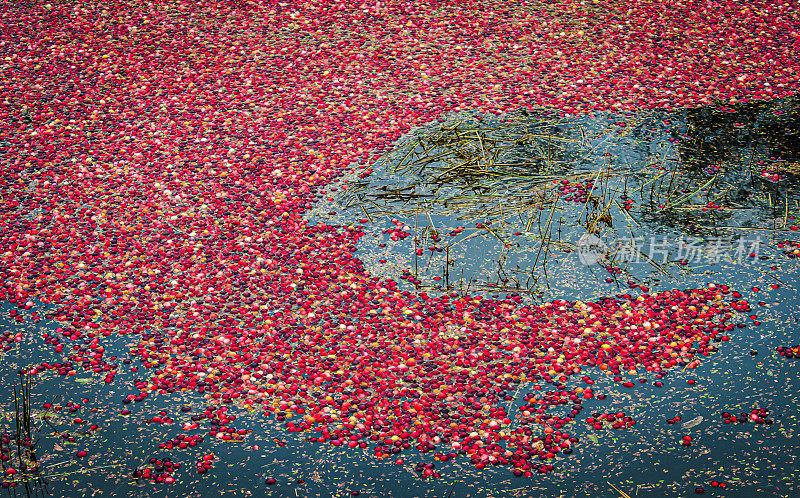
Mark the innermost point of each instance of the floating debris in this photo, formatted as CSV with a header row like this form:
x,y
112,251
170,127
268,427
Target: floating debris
x,y
689,424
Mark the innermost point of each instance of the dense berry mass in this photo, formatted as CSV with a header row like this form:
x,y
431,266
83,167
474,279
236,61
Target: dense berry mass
x,y
158,159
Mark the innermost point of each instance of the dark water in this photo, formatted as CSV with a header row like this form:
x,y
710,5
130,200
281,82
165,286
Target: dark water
x,y
681,162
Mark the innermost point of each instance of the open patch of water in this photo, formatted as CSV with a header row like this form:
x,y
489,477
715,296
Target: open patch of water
x,y
581,206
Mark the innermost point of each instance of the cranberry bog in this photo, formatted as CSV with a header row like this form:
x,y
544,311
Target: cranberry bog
x,y
394,249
